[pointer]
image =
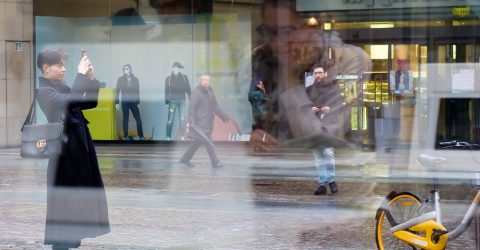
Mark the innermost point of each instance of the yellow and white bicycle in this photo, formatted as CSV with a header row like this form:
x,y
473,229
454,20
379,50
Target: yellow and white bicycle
x,y
404,221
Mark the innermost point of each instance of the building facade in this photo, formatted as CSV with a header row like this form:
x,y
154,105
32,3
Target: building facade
x,y
16,72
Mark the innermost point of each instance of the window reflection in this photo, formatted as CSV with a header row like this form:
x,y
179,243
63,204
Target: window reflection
x,y
218,36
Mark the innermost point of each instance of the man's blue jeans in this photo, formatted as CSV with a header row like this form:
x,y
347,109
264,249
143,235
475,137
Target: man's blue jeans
x,y
324,160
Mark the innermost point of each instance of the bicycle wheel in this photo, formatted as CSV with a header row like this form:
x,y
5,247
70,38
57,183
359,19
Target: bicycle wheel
x,y
403,206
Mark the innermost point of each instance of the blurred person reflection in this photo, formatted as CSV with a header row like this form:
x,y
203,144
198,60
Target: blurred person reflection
x,y
201,110
288,49
128,88
76,200
176,12
178,7
177,89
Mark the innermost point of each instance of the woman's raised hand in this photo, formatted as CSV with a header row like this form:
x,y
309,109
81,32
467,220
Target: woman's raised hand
x,y
85,67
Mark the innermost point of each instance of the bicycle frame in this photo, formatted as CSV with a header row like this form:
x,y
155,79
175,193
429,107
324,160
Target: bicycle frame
x,y
467,219
426,231
436,235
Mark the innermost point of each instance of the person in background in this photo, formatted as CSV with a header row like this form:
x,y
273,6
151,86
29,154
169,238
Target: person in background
x,y
76,200
129,89
330,107
201,110
258,98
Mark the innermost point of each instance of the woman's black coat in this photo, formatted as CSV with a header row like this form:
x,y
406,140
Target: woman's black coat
x,y
76,200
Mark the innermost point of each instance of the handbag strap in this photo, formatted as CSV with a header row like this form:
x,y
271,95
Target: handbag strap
x,y
31,113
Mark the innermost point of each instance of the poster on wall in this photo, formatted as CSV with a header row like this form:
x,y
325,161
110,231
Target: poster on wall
x,y
401,82
463,80
401,79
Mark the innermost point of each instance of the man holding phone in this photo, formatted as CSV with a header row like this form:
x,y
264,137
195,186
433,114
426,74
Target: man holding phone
x,y
329,106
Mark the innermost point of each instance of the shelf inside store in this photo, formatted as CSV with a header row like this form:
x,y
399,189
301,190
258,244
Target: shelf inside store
x,y
376,72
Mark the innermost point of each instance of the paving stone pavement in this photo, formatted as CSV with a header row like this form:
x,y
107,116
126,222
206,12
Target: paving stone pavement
x,y
254,202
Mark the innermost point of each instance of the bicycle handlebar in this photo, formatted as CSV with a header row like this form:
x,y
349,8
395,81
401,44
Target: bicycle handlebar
x,y
460,144
448,143
455,143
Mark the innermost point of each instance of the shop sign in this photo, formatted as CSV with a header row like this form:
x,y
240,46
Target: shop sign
x,y
328,5
18,46
347,77
461,11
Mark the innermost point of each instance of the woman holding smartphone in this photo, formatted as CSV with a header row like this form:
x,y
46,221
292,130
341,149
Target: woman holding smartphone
x,y
76,200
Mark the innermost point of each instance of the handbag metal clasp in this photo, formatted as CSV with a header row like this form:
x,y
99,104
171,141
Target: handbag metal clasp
x,y
41,144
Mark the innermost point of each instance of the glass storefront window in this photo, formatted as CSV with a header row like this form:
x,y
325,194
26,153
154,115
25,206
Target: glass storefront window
x,y
218,37
166,53
288,98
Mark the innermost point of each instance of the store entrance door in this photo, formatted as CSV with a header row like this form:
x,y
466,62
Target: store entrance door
x,y
389,94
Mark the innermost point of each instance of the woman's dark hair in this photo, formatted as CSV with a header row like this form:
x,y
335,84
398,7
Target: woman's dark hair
x,y
291,4
50,57
129,66
182,7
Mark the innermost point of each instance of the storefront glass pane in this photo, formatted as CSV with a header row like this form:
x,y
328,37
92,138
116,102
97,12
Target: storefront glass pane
x,y
167,55
242,124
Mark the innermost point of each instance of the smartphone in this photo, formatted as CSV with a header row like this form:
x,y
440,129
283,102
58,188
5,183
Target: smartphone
x,y
84,52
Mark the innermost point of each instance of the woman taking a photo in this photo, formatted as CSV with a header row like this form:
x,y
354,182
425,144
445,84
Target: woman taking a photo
x,y
76,200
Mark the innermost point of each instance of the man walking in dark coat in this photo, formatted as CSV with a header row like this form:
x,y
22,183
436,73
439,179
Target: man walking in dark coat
x,y
128,87
76,200
177,88
201,110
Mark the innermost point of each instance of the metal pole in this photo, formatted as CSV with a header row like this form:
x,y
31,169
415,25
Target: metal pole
x,y
477,230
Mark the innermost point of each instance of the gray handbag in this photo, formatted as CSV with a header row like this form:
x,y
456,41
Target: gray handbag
x,y
40,141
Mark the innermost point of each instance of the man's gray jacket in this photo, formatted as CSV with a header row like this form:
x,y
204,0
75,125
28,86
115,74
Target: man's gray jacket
x,y
201,109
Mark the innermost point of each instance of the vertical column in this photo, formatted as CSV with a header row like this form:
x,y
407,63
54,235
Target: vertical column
x,y
3,90
16,73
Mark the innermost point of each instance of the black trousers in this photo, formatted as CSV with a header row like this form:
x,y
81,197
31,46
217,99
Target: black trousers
x,y
126,106
197,142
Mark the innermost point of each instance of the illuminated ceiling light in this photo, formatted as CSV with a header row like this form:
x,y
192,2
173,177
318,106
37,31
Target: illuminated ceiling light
x,y
461,11
454,52
381,25
379,51
312,21
327,26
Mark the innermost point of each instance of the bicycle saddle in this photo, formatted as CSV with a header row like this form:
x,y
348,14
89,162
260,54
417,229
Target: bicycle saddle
x,y
430,161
